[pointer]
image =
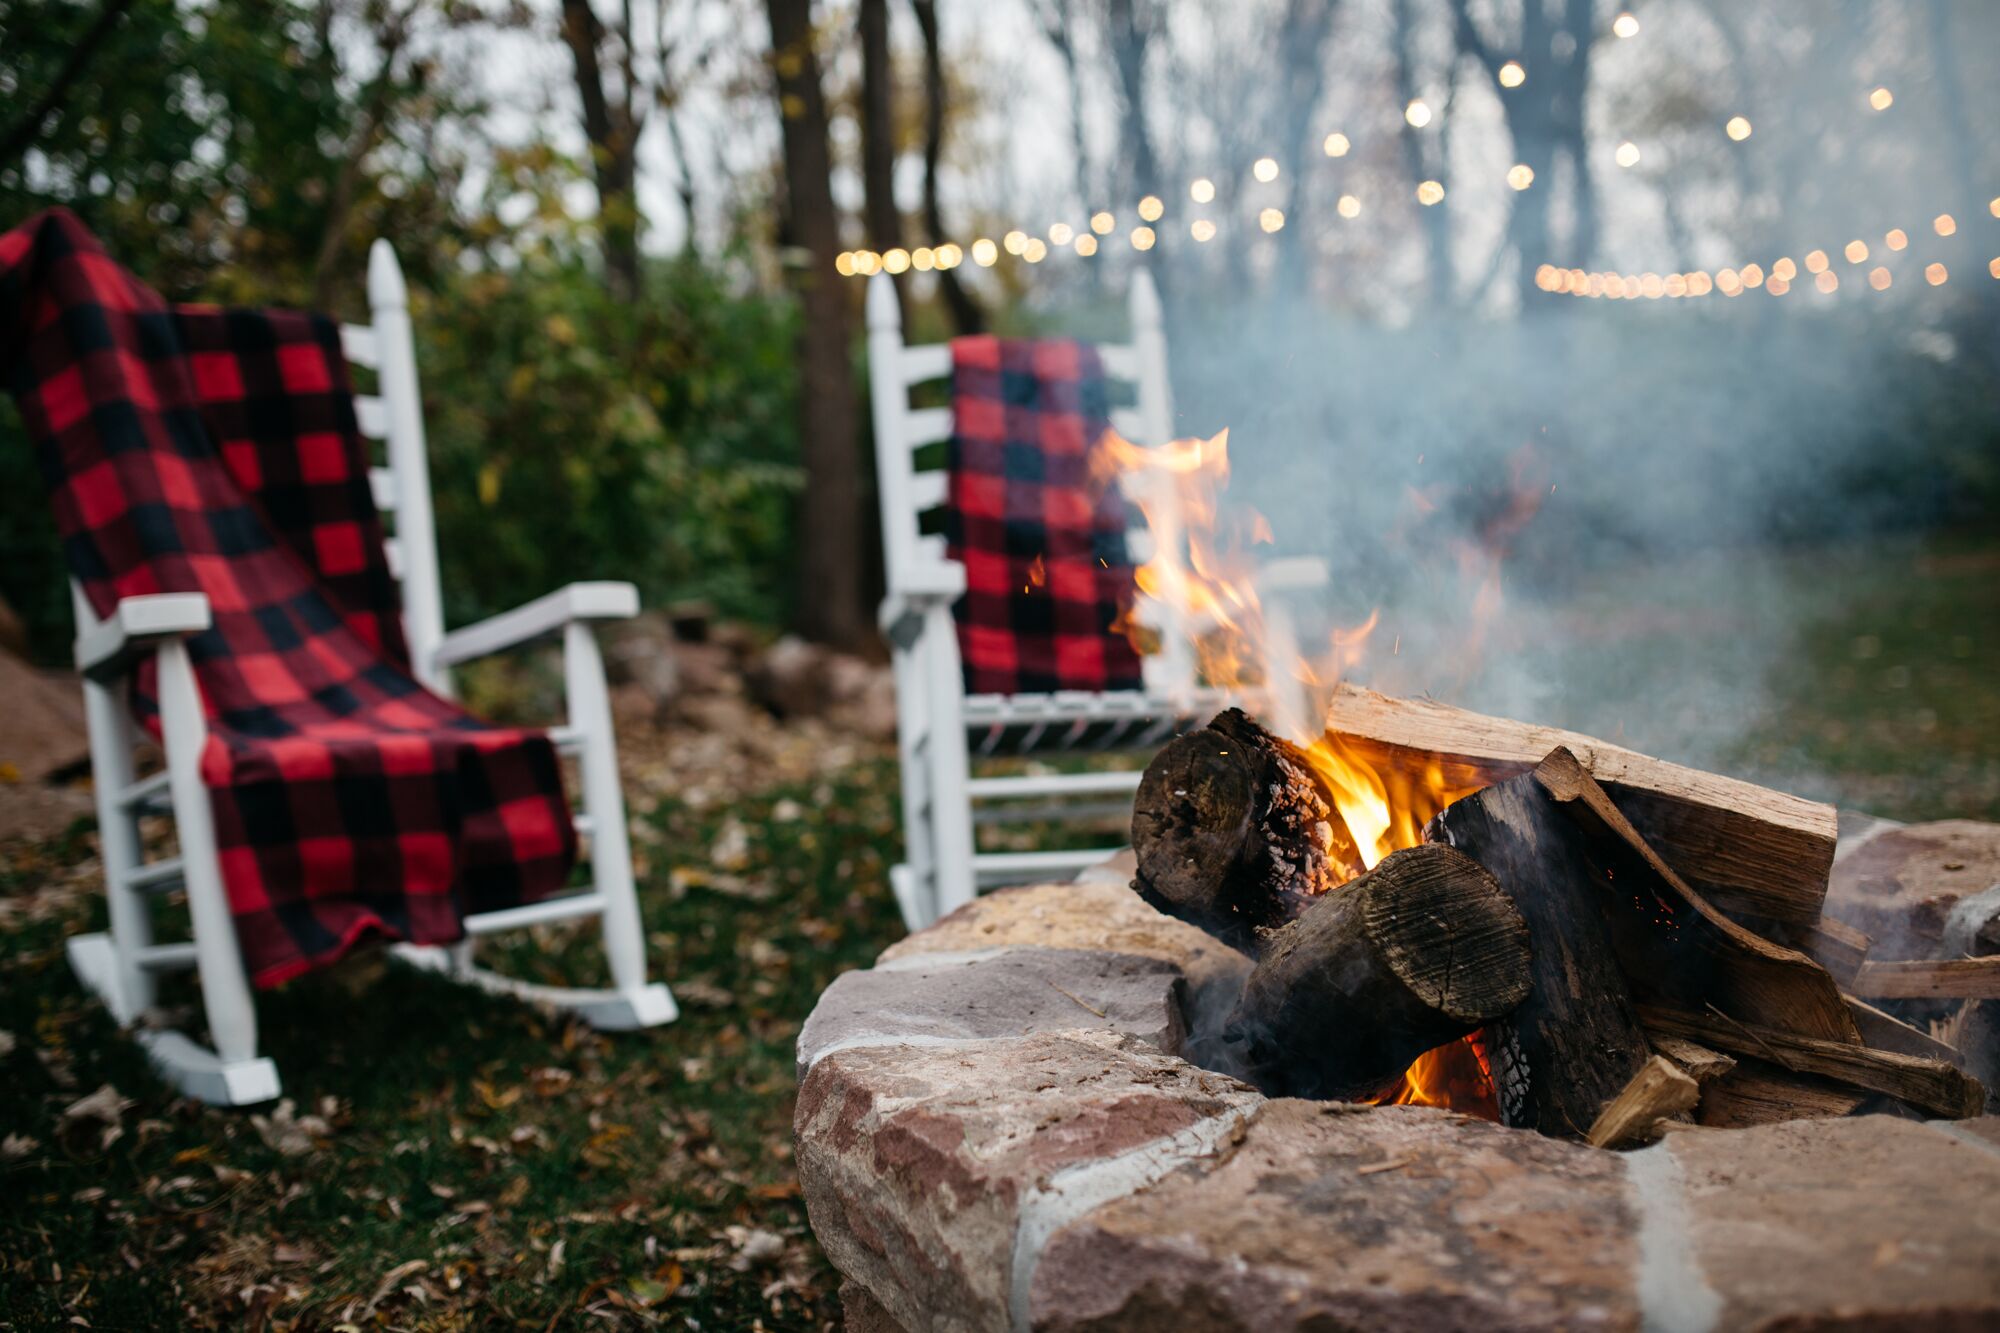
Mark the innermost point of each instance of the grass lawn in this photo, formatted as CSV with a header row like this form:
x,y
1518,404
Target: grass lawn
x,y
454,1161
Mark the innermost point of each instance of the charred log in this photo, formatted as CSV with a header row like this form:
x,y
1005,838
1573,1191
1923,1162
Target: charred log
x,y
1421,950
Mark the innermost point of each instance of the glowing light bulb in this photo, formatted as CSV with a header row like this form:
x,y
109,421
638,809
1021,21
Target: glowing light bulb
x,y
1881,99
1879,278
1816,261
1700,284
1142,238
1545,278
1201,191
1625,25
867,263
1677,285
1150,208
1512,75
1060,233
1896,239
1856,251
1336,145
1784,268
1936,275
1348,207
1994,268
896,260
1520,175
843,263
984,252
949,256
1652,287
1102,223
1202,229
1265,169
1418,113
1015,241
1086,245
1271,219
1728,283
1994,207
1627,154
1430,192
1737,128
1777,286
1827,281
1034,251
923,259
1945,224
1753,276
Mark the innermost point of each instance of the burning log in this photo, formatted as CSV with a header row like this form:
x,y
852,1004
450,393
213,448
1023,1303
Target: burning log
x,y
1421,950
1575,1043
1234,832
1750,849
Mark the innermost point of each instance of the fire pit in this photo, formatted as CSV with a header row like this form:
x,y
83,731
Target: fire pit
x,y
997,1128
1045,1111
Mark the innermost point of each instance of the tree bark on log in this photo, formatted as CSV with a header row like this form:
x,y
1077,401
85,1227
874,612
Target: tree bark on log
x,y
1419,951
1234,832
1575,1043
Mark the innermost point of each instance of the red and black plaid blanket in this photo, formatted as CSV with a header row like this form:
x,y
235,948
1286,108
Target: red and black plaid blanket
x,y
191,449
1043,546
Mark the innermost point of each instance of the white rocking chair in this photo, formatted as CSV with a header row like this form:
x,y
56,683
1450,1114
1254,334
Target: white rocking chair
x,y
934,714
120,966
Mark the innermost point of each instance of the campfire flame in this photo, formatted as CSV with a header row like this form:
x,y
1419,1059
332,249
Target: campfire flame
x,y
1201,567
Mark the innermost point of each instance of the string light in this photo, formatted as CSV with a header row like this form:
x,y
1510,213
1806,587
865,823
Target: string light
x,y
1015,241
1856,251
1994,268
1202,229
1430,192
1827,281
1349,207
1816,261
1728,283
1936,275
1778,286
867,263
950,256
1896,239
1102,223
1945,224
1060,233
1512,75
1265,169
1202,191
843,263
1034,251
1520,175
1271,219
1625,25
1418,113
1881,99
1142,238
1738,128
1994,207
1879,278
1784,268
1627,154
1753,276
1150,208
896,260
1086,245
1336,145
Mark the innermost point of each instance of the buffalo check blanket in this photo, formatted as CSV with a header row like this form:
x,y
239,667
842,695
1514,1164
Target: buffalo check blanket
x,y
203,450
1043,546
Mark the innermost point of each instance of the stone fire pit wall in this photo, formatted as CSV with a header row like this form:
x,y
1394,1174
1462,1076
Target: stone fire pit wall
x,y
996,1130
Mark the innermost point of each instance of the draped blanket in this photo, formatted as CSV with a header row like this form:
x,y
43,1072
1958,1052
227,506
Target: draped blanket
x,y
1043,547
195,449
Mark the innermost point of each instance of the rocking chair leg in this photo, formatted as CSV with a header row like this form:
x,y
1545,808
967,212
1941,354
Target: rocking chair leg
x,y
127,988
951,797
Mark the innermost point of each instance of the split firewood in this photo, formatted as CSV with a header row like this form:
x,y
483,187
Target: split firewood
x,y
1757,1092
1700,1063
1885,1032
1930,979
1575,1042
1417,952
1233,830
1659,1090
1749,849
1929,1085
1675,948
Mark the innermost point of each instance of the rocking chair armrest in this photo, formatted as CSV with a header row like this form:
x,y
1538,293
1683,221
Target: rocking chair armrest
x,y
136,627
543,616
1298,573
917,591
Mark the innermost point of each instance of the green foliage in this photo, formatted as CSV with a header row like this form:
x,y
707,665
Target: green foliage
x,y
575,437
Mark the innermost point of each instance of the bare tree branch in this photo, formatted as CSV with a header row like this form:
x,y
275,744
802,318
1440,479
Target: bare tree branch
x,y
29,127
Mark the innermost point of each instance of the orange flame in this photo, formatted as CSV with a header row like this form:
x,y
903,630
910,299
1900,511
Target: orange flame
x,y
1200,568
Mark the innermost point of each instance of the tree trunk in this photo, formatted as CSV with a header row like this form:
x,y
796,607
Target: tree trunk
x,y
1435,221
966,316
613,132
878,139
1130,27
829,606
1302,41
